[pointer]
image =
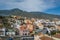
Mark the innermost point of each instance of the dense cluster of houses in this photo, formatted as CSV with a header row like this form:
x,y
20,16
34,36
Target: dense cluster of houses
x,y
23,26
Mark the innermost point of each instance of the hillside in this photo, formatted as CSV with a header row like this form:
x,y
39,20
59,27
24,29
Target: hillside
x,y
19,12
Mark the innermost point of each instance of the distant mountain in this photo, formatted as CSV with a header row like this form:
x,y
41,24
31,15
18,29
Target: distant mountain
x,y
19,12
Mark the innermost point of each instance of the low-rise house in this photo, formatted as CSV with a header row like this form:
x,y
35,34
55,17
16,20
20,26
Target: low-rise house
x,y
27,21
49,24
58,27
57,35
2,31
23,30
40,25
44,31
57,23
30,27
25,33
38,36
10,32
42,36
46,38
16,24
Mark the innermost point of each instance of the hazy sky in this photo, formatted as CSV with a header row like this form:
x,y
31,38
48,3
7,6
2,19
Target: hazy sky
x,y
48,6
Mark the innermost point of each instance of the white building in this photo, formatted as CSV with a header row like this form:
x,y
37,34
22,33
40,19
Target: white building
x,y
2,31
10,32
24,33
16,24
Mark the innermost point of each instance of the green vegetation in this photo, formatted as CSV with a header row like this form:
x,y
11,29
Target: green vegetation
x,y
19,12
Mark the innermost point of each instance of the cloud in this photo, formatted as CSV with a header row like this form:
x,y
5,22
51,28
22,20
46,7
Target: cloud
x,y
30,5
11,0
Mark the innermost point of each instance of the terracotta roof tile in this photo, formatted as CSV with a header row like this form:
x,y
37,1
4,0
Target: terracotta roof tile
x,y
46,38
57,35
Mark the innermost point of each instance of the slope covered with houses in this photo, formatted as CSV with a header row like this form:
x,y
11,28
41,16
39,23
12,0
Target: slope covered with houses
x,y
29,28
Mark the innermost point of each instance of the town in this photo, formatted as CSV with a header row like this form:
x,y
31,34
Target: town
x,y
24,28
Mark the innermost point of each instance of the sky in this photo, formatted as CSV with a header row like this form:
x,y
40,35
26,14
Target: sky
x,y
47,6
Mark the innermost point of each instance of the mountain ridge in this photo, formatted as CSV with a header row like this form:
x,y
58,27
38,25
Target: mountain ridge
x,y
19,12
